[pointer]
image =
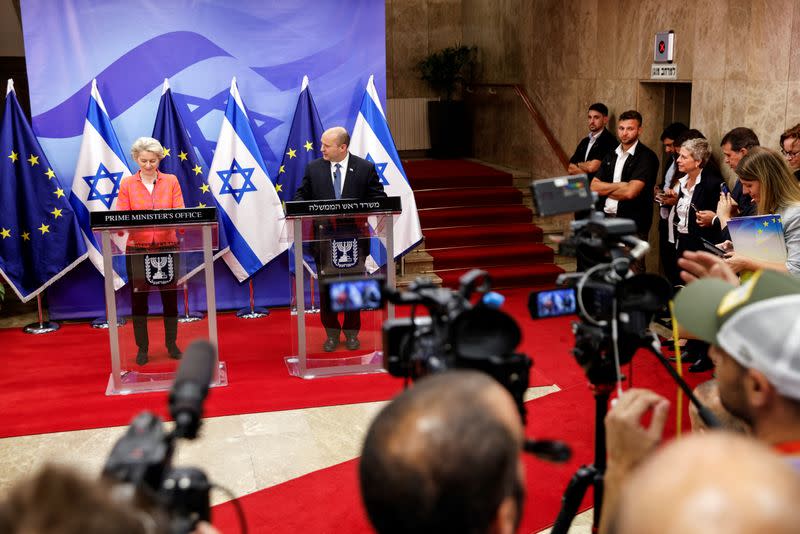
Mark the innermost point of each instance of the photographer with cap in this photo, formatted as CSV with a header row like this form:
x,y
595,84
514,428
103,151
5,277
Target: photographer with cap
x,y
754,332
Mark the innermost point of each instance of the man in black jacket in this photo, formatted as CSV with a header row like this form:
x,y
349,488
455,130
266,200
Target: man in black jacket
x,y
594,147
340,174
627,176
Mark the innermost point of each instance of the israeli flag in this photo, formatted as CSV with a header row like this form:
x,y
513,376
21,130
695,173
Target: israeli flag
x,y
373,141
100,169
249,208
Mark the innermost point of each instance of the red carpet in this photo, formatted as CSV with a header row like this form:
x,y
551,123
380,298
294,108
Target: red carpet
x,y
328,500
473,216
57,382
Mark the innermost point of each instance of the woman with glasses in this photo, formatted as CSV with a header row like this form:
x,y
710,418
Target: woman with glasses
x,y
790,148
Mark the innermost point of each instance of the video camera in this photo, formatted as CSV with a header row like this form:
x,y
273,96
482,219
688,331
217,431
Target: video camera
x,y
614,305
457,334
141,461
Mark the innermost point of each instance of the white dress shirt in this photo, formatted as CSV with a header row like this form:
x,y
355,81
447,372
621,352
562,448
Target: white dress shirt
x,y
342,169
622,156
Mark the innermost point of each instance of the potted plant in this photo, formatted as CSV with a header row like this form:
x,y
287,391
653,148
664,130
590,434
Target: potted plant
x,y
446,71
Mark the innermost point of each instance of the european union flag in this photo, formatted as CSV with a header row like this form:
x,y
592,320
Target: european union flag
x,y
303,144
40,240
181,160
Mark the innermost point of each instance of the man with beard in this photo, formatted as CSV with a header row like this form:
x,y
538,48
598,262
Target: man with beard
x,y
754,332
627,177
445,456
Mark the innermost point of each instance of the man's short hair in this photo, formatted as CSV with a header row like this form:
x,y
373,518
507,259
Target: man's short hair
x,y
438,458
600,108
691,133
749,322
631,114
673,131
740,138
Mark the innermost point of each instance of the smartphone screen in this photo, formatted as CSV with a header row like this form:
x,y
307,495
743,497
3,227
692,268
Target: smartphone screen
x,y
355,294
552,303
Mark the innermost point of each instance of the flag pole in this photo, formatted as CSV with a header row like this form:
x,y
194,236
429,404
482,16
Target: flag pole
x,y
188,317
253,312
102,322
43,326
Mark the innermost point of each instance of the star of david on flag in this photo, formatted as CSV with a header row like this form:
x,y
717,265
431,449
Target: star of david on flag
x,y
229,179
250,211
96,181
373,141
40,240
100,168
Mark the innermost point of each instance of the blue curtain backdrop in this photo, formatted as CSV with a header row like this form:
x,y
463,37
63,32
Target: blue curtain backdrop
x,y
130,48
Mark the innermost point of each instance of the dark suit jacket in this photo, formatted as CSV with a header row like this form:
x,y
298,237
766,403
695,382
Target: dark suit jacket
x,y
704,197
361,181
604,144
643,166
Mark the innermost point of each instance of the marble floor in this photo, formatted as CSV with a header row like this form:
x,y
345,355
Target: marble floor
x,y
244,453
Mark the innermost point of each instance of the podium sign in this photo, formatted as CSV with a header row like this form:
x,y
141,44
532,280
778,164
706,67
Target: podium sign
x,y
161,252
330,240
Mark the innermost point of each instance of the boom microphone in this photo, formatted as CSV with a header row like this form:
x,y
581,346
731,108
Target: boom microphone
x,y
191,388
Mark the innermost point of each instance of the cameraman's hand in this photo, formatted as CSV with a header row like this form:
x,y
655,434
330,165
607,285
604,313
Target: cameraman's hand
x,y
627,440
702,264
205,528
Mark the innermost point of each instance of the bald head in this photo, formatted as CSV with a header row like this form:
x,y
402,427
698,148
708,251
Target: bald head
x,y
442,456
711,483
335,142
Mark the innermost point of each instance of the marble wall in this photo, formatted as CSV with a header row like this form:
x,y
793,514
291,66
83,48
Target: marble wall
x,y
741,57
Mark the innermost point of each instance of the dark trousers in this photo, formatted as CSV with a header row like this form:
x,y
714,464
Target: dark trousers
x,y
140,306
330,320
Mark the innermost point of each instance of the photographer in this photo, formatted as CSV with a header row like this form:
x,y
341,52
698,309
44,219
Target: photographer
x,y
731,484
444,456
58,500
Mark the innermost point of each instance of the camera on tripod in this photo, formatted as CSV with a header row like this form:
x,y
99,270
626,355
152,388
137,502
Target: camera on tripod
x,y
615,307
456,334
140,463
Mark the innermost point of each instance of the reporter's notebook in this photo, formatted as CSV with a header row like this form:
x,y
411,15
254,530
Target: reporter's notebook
x,y
759,237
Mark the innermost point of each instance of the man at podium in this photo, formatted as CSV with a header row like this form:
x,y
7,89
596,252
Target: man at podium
x,y
339,174
149,269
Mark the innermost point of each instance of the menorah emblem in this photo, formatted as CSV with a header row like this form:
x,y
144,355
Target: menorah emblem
x,y
158,268
344,252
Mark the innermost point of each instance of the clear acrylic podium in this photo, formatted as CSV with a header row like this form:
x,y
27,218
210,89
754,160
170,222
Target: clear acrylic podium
x,y
329,240
162,253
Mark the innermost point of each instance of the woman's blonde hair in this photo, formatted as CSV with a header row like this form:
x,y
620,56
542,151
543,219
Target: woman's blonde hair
x,y
147,144
779,187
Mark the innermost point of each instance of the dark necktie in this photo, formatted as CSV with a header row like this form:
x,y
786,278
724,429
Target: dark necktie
x,y
337,181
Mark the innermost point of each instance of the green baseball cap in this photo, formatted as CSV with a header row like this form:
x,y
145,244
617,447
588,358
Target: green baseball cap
x,y
704,306
756,323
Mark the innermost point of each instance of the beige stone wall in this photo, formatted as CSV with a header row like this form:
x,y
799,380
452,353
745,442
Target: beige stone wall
x,y
415,28
741,56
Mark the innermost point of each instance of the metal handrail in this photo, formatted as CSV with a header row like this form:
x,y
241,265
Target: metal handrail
x,y
537,117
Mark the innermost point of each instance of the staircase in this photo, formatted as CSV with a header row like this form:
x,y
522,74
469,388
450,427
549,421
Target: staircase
x,y
477,216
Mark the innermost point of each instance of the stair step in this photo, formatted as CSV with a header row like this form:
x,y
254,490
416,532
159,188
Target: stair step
x,y
509,275
490,234
462,216
454,197
434,174
506,254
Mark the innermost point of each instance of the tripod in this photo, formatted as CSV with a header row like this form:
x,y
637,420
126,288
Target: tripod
x,y
587,475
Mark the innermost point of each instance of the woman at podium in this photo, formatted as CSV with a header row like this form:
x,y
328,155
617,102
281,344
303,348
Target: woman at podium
x,y
150,266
